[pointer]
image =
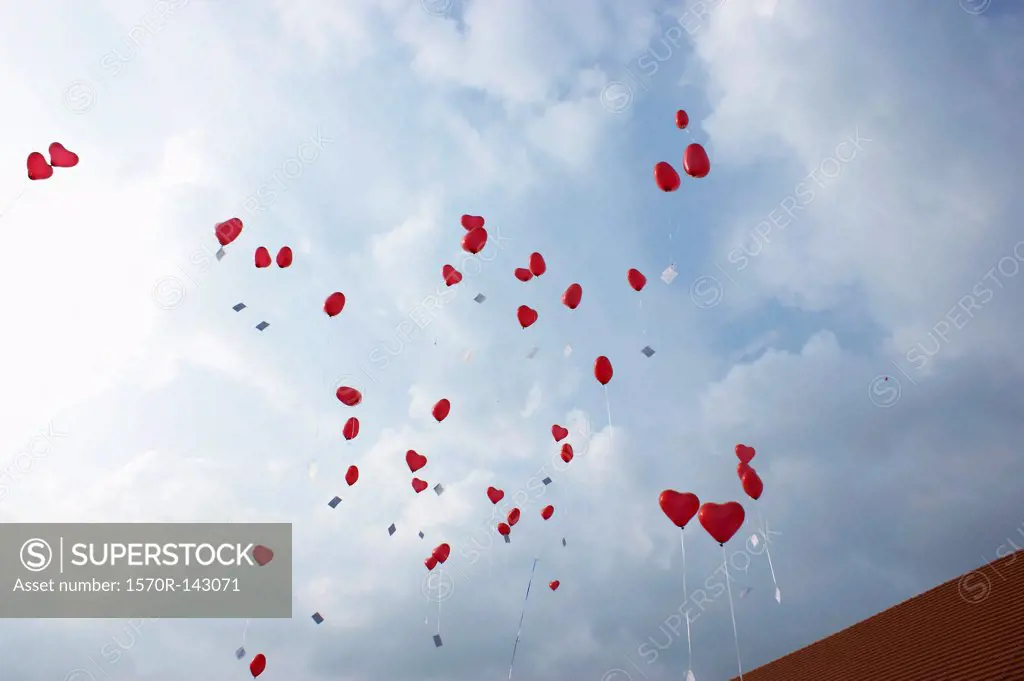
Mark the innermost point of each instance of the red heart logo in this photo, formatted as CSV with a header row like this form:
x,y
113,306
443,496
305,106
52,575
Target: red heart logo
x,y
472,222
559,433
451,275
415,461
228,230
752,483
554,585
523,274
418,485
504,530
285,257
475,240
567,452
61,157
513,517
258,664
527,316
262,555
442,552
348,396
547,512
38,168
721,521
680,507
495,494
745,453
262,257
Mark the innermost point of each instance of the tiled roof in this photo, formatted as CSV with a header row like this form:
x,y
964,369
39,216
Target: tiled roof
x,y
969,629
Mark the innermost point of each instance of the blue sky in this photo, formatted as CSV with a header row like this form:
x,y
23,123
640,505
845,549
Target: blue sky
x,y
162,404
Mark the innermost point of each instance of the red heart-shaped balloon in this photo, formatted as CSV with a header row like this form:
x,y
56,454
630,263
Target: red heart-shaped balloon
x,y
554,585
504,530
451,275
721,521
695,161
495,494
523,274
537,264
472,222
547,512
513,517
262,555
745,453
351,428
559,433
262,257
258,665
441,410
603,370
442,552
430,562
666,177
227,231
352,475
419,485
636,279
61,157
414,460
680,507
474,240
741,468
334,304
527,316
348,396
567,452
572,296
682,120
285,257
752,483
38,168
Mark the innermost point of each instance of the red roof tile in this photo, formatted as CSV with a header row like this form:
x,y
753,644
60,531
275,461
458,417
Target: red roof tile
x,y
969,629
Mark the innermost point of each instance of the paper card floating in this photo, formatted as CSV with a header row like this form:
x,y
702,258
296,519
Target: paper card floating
x,y
507,540
220,254
563,541
317,617
648,350
532,353
568,350
669,274
439,489
746,590
546,481
480,298
261,326
421,535
240,653
754,541
437,640
391,529
333,503
239,307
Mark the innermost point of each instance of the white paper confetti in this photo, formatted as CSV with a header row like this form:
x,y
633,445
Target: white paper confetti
x,y
313,470
754,541
690,676
745,591
669,274
568,350
778,596
467,355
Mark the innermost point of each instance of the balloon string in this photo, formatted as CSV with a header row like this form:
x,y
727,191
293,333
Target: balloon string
x,y
767,551
608,406
643,315
521,616
686,595
440,585
732,612
245,632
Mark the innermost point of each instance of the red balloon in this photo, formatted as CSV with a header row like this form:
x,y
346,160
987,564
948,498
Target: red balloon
x,y
334,304
513,517
38,168
567,452
547,512
451,275
61,157
472,222
352,475
752,483
666,177
441,409
419,485
554,585
442,552
603,370
414,460
504,530
721,521
572,296
285,257
258,664
351,428
682,120
527,316
559,433
227,231
636,279
695,161
523,274
495,495
474,240
741,468
262,257
350,397
680,507
744,453
537,264
430,562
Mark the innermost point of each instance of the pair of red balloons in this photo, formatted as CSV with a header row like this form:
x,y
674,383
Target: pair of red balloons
x,y
721,521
